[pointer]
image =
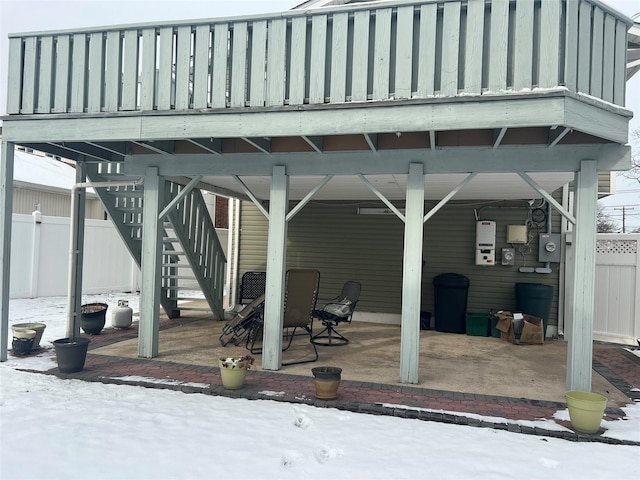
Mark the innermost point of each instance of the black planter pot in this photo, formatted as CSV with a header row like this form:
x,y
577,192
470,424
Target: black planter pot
x,y
21,346
93,317
71,354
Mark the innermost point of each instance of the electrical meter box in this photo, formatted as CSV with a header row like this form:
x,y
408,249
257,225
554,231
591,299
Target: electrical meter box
x,y
485,235
549,247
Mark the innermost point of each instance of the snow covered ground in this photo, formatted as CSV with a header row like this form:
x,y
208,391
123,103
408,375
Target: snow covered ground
x,y
52,428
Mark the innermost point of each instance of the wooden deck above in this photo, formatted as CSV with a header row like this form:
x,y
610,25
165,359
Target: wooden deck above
x,y
390,51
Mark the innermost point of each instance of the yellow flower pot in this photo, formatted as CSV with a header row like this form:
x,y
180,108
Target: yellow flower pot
x,y
586,410
233,371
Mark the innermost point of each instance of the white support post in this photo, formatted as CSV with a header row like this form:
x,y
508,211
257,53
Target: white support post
x,y
151,265
412,276
580,346
276,263
6,217
35,253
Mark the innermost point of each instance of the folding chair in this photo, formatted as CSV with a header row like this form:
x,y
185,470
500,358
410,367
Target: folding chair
x,y
301,293
236,329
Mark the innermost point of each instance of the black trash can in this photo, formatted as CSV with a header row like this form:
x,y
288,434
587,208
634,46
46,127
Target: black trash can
x,y
451,292
534,299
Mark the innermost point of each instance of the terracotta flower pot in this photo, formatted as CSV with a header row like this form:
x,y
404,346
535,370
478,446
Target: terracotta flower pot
x,y
326,381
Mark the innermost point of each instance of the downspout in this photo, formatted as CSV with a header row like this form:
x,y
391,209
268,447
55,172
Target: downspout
x,y
234,246
73,326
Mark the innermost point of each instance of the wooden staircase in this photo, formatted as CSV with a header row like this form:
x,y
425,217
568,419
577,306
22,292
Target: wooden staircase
x,y
192,256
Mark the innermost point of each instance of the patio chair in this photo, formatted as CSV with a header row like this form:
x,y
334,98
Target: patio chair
x,y
252,286
339,310
238,328
301,293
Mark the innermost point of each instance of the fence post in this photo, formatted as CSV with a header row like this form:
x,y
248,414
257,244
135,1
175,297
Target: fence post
x,y
35,252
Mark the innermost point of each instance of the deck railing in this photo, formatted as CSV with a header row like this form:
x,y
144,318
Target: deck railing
x,y
390,51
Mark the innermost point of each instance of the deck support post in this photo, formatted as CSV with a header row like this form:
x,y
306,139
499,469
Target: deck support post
x,y
276,265
412,275
151,264
580,331
6,218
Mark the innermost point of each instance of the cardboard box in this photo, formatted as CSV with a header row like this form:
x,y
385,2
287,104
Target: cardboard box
x,y
528,331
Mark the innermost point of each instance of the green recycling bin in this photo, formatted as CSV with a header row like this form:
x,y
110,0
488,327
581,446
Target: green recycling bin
x,y
534,299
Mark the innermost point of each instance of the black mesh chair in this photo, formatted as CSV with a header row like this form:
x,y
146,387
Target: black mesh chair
x,y
339,310
252,286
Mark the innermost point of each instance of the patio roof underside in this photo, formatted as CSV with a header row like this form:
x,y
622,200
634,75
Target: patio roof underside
x,y
545,135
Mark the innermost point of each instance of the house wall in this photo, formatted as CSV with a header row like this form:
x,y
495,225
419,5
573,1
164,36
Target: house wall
x,y
343,245
52,204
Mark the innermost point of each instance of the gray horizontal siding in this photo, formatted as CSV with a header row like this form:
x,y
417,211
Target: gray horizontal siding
x,y
332,238
51,204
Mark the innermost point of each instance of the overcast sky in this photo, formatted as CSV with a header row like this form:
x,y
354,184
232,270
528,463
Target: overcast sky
x,y
37,15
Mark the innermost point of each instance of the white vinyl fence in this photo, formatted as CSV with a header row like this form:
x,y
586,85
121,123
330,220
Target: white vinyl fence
x,y
617,283
40,258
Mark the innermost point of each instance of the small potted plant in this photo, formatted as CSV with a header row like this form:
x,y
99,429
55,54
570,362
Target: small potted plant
x,y
233,370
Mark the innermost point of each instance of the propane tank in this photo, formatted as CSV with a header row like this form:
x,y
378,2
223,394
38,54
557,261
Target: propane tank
x,y
121,316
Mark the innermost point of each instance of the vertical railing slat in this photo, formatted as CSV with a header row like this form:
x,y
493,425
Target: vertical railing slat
x,y
238,83
297,60
549,51
276,56
450,49
584,47
597,40
258,53
620,78
183,60
78,70
360,68
148,73
220,55
201,67
113,69
45,75
96,72
318,58
29,75
523,46
498,46
130,70
338,87
61,95
382,54
427,50
165,64
14,82
571,45
404,52
608,55
473,47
